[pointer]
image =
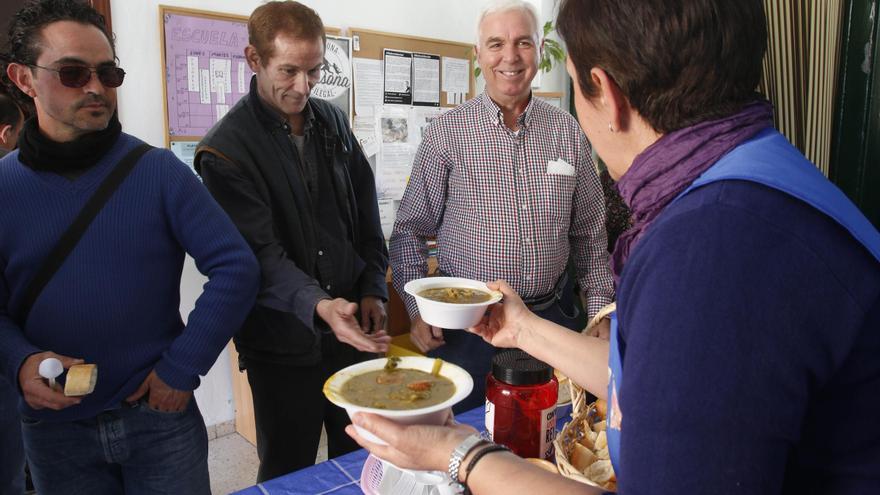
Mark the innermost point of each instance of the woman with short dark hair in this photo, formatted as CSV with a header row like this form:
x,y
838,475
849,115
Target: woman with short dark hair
x,y
743,353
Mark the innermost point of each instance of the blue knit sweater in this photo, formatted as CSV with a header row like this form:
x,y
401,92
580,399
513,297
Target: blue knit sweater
x,y
750,327
115,300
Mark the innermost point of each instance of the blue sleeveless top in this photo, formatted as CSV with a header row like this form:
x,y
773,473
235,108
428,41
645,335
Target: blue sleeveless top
x,y
768,159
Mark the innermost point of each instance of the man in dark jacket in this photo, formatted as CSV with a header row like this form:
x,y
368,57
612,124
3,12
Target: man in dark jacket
x,y
292,177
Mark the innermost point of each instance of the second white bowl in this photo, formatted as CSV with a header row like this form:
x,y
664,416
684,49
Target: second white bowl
x,y
450,315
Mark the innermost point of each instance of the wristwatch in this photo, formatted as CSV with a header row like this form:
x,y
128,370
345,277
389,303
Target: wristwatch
x,y
459,454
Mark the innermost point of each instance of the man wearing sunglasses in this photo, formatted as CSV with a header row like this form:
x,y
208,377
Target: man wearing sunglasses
x,y
114,301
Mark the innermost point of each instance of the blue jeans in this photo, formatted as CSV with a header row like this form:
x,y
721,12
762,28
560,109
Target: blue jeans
x,y
11,448
132,450
473,354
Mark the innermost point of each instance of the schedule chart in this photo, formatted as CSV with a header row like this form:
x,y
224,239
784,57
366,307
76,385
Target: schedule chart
x,y
205,70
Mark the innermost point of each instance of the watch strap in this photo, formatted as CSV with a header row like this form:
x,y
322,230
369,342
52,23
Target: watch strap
x,y
459,453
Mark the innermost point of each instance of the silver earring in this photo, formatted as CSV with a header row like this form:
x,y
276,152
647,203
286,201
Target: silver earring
x,y
610,128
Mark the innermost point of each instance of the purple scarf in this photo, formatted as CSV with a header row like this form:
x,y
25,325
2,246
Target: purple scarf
x,y
667,167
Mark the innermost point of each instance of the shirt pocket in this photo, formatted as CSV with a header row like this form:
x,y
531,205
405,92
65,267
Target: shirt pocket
x,y
557,192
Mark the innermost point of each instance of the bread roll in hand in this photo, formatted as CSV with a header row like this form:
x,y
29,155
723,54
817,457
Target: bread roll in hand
x,y
81,380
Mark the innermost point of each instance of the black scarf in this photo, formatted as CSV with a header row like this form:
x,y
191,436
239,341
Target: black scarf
x,y
72,158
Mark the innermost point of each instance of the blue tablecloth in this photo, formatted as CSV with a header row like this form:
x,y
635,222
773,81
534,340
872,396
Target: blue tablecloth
x,y
341,475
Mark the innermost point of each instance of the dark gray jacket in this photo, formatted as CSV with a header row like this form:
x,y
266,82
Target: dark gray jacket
x,y
249,164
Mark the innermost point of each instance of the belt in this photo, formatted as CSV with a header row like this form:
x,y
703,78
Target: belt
x,y
541,303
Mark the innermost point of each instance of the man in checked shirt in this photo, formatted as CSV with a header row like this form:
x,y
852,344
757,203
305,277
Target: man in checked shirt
x,y
506,184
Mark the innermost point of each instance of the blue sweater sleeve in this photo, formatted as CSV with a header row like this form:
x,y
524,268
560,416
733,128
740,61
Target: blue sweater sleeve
x,y
220,253
14,348
725,324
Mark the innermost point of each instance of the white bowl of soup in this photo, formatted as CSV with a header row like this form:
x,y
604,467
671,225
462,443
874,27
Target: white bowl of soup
x,y
451,302
409,394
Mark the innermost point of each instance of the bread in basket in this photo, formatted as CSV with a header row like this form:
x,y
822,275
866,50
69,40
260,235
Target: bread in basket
x,y
581,447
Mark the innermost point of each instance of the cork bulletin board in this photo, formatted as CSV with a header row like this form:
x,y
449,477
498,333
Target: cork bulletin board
x,y
370,44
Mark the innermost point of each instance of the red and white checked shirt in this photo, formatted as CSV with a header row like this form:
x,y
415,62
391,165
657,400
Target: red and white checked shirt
x,y
485,192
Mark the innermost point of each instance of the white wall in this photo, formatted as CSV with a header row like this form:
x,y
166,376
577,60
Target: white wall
x,y
136,24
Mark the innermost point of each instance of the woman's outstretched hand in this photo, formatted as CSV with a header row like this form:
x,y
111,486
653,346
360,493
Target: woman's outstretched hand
x,y
420,447
506,321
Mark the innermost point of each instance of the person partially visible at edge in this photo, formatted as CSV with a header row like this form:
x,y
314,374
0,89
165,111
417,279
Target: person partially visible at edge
x,y
744,348
12,479
290,173
115,300
11,121
506,184
617,219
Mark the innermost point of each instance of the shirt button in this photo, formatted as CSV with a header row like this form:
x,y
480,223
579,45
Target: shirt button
x,y
527,240
524,207
528,277
320,253
328,287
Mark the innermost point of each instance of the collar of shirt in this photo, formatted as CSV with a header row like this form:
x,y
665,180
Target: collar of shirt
x,y
272,117
493,111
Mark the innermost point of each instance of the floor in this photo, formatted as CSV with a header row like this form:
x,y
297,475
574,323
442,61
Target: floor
x,y
233,462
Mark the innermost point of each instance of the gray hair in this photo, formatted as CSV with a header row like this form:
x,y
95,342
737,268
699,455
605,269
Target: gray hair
x,y
499,6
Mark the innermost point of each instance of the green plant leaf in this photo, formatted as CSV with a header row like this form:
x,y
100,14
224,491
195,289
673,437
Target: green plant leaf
x,y
555,52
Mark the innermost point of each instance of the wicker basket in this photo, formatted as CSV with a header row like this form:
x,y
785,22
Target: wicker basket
x,y
571,434
583,416
578,395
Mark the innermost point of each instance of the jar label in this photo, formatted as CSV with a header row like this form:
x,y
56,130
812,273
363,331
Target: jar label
x,y
548,430
490,419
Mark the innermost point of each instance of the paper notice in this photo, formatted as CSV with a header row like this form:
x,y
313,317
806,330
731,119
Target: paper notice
x,y
242,80
205,87
227,76
185,151
221,110
421,118
393,169
456,72
367,85
217,66
398,77
387,215
192,72
426,79
364,129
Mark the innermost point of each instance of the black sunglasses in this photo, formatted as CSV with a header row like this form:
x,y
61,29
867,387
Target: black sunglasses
x,y
77,76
